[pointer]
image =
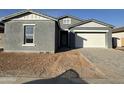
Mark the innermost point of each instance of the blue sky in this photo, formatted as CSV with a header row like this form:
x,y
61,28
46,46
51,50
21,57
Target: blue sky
x,y
111,16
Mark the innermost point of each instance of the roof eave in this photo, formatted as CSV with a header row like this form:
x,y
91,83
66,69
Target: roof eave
x,y
103,23
90,20
117,31
3,19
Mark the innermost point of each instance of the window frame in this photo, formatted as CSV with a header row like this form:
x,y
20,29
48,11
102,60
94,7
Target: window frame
x,y
67,21
24,43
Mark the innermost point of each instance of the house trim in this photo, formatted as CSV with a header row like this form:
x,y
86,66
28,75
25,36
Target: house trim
x,y
87,31
29,44
91,28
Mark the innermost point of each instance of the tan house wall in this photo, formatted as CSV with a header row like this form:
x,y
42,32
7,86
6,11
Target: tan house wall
x,y
119,36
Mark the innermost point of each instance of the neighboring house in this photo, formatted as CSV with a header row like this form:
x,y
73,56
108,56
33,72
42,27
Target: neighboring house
x,y
28,31
118,37
1,35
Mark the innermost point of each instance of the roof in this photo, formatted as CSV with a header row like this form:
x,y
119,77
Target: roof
x,y
61,17
119,29
91,20
25,12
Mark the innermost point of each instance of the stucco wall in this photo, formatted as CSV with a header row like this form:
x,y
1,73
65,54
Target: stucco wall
x,y
1,40
109,38
118,35
44,36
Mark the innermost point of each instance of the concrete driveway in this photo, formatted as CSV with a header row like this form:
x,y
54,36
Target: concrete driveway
x,y
109,61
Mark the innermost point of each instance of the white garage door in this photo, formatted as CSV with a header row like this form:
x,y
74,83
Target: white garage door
x,y
90,40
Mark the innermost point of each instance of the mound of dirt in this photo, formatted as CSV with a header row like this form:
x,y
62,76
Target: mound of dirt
x,y
46,65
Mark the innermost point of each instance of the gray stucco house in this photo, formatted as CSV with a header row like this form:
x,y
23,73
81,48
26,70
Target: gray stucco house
x,y
29,31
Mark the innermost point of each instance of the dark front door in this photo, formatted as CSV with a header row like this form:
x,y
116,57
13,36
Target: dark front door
x,y
64,39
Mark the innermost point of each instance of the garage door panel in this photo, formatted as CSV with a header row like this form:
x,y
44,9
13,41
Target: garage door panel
x,y
90,40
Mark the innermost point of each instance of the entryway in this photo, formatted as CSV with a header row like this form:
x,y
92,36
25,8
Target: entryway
x,y
64,39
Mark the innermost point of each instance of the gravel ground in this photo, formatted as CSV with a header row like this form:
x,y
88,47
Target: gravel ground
x,y
109,61
45,66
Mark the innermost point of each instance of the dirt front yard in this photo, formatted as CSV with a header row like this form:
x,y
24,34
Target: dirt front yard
x,y
45,65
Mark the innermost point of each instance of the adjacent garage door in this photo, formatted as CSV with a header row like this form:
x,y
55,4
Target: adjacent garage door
x,y
90,40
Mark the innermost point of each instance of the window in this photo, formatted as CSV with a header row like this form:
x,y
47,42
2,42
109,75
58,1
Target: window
x,y
29,34
67,21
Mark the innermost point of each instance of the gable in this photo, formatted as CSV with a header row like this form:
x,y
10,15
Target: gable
x,y
31,17
72,17
68,17
74,20
92,24
27,15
